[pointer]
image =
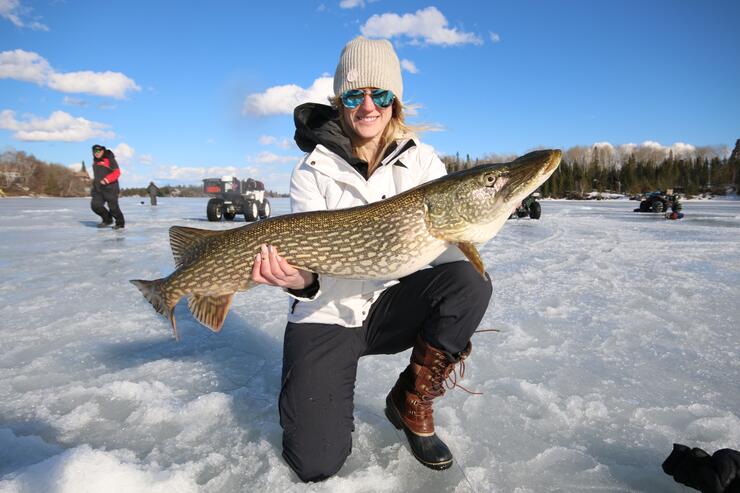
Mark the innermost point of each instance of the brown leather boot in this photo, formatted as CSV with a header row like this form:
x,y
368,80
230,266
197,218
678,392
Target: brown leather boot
x,y
409,403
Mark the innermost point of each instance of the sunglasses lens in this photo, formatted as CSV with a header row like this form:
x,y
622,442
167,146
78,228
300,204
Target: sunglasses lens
x,y
353,98
382,97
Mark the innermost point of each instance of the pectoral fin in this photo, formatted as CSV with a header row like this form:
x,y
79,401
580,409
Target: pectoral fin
x,y
472,254
210,310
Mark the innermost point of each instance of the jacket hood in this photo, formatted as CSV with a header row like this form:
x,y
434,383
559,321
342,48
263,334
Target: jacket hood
x,y
319,124
107,153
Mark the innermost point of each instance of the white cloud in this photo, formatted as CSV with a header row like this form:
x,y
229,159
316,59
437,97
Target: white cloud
x,y
269,140
76,166
351,4
409,66
272,158
146,159
280,100
60,126
192,174
24,65
124,152
427,26
13,11
495,38
70,101
31,67
111,84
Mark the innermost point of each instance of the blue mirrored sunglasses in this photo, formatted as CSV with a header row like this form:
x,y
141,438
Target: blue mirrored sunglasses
x,y
353,98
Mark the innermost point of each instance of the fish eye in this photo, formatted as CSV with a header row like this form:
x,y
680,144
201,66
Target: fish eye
x,y
489,180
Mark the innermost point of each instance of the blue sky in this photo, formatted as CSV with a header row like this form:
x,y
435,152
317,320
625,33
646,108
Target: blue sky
x,y
186,90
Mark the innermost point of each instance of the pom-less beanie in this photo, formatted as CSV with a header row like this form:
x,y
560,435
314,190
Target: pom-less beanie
x,y
368,63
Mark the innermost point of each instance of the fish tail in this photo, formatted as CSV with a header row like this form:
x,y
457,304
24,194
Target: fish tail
x,y
156,293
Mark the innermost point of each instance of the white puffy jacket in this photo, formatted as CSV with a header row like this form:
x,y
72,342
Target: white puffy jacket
x,y
325,181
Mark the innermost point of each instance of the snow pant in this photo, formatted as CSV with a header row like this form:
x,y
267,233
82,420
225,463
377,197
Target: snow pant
x,y
109,194
444,304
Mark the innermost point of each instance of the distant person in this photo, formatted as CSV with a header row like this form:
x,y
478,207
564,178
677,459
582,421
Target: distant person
x,y
105,188
153,191
358,150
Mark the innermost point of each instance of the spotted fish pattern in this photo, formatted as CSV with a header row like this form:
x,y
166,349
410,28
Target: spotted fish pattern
x,y
383,240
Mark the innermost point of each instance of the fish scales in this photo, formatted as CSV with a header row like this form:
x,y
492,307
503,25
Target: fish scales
x,y
312,242
382,240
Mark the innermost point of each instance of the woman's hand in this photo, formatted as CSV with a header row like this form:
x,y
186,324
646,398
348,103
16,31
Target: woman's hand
x,y
272,269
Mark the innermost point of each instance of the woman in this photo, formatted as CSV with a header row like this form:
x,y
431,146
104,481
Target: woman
x,y
359,151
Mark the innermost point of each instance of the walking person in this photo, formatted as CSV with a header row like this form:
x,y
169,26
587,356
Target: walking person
x,y
105,188
359,150
153,190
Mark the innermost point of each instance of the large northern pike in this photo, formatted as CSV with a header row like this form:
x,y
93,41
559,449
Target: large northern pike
x,y
383,240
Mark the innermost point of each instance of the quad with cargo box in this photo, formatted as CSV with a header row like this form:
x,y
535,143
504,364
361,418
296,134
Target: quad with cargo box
x,y
232,196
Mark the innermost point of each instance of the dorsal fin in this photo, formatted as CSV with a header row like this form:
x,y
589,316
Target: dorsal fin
x,y
184,239
210,310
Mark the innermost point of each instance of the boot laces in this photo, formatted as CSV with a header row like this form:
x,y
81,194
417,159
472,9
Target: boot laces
x,y
445,377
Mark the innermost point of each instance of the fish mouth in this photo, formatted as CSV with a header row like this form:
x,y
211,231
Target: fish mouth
x,y
555,156
546,161
530,171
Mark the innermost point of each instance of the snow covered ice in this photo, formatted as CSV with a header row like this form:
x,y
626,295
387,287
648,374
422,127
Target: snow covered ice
x,y
618,337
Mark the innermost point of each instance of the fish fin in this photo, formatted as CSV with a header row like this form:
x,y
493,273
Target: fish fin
x,y
183,239
153,291
472,254
210,310
171,316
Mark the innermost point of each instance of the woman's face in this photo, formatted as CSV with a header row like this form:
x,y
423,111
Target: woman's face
x,y
368,120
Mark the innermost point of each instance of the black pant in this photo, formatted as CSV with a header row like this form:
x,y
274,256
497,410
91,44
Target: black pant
x,y
109,194
444,304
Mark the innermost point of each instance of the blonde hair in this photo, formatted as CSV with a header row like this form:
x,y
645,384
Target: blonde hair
x,y
396,129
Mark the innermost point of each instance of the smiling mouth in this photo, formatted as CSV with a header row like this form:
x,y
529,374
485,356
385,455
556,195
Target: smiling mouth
x,y
368,119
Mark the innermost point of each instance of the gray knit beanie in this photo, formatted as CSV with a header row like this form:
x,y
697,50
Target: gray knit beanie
x,y
368,63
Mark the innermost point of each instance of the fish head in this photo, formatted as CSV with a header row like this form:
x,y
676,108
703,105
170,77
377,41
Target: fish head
x,y
472,205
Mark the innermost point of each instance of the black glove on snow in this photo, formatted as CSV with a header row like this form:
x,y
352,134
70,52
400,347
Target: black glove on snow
x,y
718,473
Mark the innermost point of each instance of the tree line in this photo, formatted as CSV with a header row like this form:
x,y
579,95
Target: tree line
x,y
24,174
602,168
584,170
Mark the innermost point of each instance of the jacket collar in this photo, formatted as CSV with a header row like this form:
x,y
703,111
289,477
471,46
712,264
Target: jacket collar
x,y
318,124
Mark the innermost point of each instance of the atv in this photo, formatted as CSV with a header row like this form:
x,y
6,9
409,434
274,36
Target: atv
x,y
529,207
232,196
659,202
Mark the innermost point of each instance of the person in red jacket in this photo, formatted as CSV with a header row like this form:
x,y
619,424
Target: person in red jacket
x,y
105,187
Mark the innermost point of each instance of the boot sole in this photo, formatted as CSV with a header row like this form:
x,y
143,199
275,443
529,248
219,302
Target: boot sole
x,y
395,418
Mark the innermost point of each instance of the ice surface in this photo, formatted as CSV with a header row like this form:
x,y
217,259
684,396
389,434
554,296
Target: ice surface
x,y
618,336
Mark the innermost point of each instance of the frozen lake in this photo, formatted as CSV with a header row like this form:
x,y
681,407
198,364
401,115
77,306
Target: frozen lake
x,y
618,336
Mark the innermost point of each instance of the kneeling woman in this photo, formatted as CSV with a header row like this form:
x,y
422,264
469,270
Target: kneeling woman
x,y
359,151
